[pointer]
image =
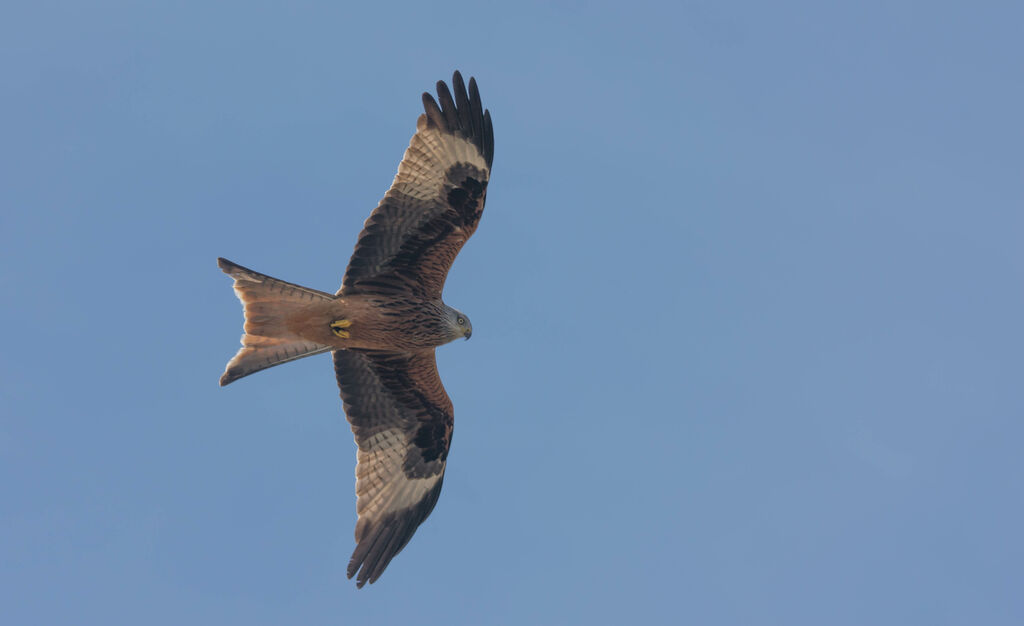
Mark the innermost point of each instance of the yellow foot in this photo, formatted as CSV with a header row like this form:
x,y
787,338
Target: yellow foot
x,y
338,328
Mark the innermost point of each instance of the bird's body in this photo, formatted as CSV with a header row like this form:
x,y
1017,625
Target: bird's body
x,y
401,322
384,323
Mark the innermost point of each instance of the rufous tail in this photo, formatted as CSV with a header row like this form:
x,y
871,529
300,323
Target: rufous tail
x,y
268,302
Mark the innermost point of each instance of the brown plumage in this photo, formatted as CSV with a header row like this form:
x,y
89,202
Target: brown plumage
x,y
385,321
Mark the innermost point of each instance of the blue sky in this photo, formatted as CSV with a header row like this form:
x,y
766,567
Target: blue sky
x,y
747,302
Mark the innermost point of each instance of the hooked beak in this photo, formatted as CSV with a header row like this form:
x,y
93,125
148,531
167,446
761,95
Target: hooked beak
x,y
468,333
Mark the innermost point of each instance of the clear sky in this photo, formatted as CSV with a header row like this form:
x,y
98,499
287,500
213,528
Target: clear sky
x,y
747,303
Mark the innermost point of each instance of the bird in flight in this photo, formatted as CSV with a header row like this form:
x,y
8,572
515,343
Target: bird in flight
x,y
384,323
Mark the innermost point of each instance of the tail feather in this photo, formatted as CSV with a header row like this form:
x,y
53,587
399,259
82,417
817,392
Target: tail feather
x,y
268,302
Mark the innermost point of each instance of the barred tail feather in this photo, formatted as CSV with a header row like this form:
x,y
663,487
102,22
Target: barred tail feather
x,y
268,303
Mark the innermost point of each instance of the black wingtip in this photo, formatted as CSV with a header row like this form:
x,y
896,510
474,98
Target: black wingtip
x,y
379,542
462,112
488,138
434,115
360,582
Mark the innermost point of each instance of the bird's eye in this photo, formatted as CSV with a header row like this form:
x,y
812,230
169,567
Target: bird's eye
x,y
462,321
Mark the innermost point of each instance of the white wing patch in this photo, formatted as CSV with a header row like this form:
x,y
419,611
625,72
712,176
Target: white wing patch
x,y
426,161
381,485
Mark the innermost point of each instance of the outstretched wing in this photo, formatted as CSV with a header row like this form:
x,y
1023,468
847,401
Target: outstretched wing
x,y
402,421
410,240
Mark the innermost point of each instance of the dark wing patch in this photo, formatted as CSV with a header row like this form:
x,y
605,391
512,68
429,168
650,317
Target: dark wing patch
x,y
410,240
466,196
402,421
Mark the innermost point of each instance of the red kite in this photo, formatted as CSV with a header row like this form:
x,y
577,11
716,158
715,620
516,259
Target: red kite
x,y
385,321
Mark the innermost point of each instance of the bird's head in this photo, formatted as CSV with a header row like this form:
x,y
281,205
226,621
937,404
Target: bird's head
x,y
459,325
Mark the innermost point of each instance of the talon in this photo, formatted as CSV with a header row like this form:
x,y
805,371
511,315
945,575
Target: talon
x,y
337,327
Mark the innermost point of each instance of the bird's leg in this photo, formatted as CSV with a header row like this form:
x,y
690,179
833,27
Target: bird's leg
x,y
338,328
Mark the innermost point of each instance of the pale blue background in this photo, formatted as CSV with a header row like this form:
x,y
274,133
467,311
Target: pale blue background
x,y
747,299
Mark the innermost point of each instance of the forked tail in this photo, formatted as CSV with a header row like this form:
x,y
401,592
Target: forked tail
x,y
268,303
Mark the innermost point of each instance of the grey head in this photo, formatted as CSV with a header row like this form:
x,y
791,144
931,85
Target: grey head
x,y
459,325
